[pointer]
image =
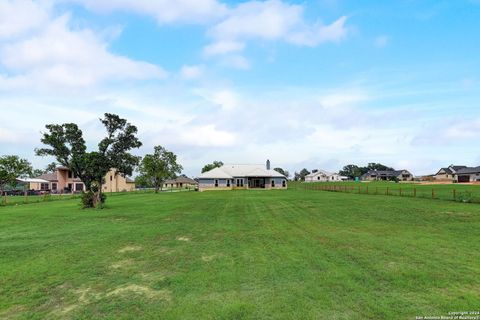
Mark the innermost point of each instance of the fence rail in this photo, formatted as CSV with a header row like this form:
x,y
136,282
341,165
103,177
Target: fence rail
x,y
446,193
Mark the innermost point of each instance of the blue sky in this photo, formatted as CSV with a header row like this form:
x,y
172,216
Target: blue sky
x,y
316,84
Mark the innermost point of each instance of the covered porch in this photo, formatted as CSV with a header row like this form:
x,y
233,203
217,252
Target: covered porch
x,y
258,182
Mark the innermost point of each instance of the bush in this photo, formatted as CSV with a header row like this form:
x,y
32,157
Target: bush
x,y
465,197
88,199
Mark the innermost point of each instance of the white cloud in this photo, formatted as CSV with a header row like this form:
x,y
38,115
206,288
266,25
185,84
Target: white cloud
x,y
269,21
207,136
56,55
20,16
223,47
381,41
191,72
164,11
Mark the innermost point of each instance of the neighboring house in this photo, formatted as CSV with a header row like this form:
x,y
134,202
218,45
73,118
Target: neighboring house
x,y
324,176
180,182
63,181
241,176
467,174
448,174
386,175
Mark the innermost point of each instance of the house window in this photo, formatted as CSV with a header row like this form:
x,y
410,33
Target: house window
x,y
79,187
284,183
273,183
70,174
216,183
44,186
111,178
54,186
318,178
228,182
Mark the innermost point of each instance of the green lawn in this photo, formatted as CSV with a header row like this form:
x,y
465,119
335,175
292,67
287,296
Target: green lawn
x,y
453,192
240,255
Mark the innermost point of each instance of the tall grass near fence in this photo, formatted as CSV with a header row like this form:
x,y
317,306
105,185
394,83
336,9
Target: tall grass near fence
x,y
449,192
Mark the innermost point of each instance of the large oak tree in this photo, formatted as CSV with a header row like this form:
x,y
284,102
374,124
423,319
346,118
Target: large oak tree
x,y
65,142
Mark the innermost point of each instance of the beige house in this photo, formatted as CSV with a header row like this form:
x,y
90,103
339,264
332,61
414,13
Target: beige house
x,y
64,181
180,182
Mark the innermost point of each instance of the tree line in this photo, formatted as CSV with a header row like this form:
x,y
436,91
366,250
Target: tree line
x,y
351,171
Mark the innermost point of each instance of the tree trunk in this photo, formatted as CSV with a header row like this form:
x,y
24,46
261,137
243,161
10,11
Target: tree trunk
x,y
156,189
97,198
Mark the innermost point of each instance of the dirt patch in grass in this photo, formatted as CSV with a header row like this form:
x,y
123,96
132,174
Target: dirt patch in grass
x,y
208,258
13,312
122,264
130,249
136,289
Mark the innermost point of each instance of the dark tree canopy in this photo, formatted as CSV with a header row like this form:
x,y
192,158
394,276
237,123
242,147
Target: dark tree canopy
x,y
353,171
282,171
66,144
210,166
300,176
157,167
11,168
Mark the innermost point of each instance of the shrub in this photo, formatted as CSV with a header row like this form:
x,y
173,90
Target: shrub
x,y
465,197
88,199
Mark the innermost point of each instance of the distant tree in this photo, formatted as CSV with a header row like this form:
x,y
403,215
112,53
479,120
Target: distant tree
x,y
11,168
314,170
143,182
51,167
302,174
378,166
67,145
351,171
282,171
36,172
157,167
210,166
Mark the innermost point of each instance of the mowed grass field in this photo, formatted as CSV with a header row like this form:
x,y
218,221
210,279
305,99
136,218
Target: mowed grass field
x,y
453,192
240,255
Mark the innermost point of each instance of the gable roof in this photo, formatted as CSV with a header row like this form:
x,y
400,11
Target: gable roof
x,y
389,173
52,177
456,168
469,170
181,180
319,172
230,171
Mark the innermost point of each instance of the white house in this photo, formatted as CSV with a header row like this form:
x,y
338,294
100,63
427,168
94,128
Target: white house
x,y
324,176
242,176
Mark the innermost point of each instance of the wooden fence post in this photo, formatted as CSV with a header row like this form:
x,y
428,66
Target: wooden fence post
x,y
387,191
433,193
454,195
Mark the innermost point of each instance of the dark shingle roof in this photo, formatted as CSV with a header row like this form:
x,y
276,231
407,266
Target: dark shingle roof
x,y
48,176
469,170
